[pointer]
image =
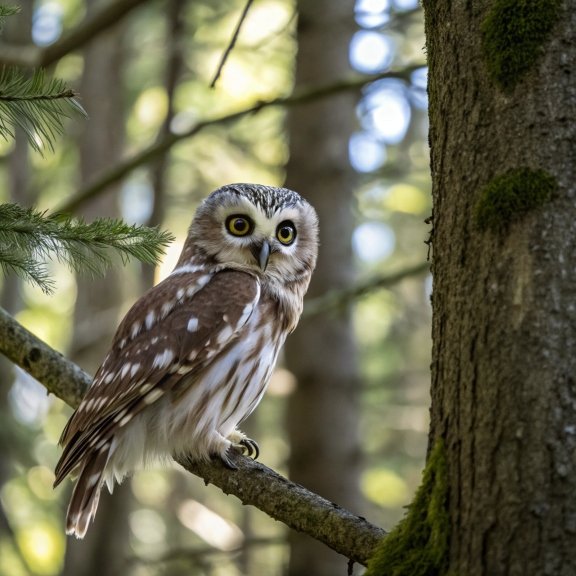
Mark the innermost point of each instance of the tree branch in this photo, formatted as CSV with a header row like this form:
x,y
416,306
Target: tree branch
x,y
253,483
302,510
231,44
160,147
35,57
339,298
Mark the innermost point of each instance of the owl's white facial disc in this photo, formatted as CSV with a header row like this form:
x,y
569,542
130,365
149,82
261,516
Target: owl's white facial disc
x,y
235,222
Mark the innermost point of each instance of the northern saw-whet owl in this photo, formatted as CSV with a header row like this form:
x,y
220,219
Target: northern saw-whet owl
x,y
193,357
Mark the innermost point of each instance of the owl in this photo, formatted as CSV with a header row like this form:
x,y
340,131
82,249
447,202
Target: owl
x,y
193,357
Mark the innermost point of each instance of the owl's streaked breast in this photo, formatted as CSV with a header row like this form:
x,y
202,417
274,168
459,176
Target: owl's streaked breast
x,y
217,397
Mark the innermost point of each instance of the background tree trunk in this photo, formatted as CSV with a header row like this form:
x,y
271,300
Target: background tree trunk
x,y
504,328
99,299
323,412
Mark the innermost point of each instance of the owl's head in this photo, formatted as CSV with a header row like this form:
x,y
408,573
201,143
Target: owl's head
x,y
272,232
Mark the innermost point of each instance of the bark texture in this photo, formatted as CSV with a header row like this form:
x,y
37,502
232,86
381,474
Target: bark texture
x,y
504,325
323,412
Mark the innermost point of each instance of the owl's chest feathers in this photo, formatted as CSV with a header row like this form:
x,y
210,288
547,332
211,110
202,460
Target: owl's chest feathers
x,y
282,304
213,400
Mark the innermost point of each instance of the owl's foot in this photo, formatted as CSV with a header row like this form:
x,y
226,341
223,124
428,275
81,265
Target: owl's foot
x,y
248,447
244,445
226,461
239,442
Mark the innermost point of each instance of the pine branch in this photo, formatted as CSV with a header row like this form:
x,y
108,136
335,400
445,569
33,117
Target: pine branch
x,y
28,238
15,262
253,483
37,105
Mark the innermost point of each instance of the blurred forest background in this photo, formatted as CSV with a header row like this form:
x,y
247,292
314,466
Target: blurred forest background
x,y
327,97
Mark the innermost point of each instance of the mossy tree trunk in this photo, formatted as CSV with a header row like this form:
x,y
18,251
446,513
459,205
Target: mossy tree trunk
x,y
503,133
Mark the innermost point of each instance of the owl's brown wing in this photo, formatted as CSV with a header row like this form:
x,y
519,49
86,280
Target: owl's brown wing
x,y
157,345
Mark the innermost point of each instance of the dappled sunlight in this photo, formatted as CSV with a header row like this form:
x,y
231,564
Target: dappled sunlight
x,y
43,546
367,153
371,52
169,261
406,198
151,107
148,526
28,399
171,509
282,383
209,526
40,480
151,487
385,487
373,241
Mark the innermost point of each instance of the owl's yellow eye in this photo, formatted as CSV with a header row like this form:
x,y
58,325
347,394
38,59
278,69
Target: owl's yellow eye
x,y
286,232
239,225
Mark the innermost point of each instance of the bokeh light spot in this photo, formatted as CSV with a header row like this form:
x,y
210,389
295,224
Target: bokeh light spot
x,y
371,52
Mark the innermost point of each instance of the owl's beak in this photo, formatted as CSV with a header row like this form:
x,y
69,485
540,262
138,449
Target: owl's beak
x,y
262,254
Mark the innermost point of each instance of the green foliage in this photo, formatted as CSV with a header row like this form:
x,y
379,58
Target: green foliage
x,y
29,237
509,196
37,105
419,544
514,32
34,103
5,12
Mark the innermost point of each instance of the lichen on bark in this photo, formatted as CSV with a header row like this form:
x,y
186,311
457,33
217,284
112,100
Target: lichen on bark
x,y
419,544
511,195
513,35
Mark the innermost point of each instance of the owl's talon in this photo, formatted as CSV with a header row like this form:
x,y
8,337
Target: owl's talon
x,y
226,461
248,447
252,447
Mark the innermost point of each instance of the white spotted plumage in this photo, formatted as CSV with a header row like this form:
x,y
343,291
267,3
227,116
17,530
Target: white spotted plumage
x,y
192,358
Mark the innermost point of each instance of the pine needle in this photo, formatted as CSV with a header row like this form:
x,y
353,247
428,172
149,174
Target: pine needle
x,y
38,105
22,265
29,238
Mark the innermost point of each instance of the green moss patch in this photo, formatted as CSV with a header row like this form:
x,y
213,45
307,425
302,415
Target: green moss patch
x,y
513,34
419,545
508,197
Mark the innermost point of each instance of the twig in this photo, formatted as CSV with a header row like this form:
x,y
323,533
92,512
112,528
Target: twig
x,y
231,44
34,57
339,298
125,167
252,483
64,95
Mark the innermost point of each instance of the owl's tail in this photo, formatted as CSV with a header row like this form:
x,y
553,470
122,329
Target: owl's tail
x,y
86,494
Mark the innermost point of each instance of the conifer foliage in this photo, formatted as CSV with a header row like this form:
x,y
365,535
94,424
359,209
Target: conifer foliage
x,y
39,105
36,104
28,238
